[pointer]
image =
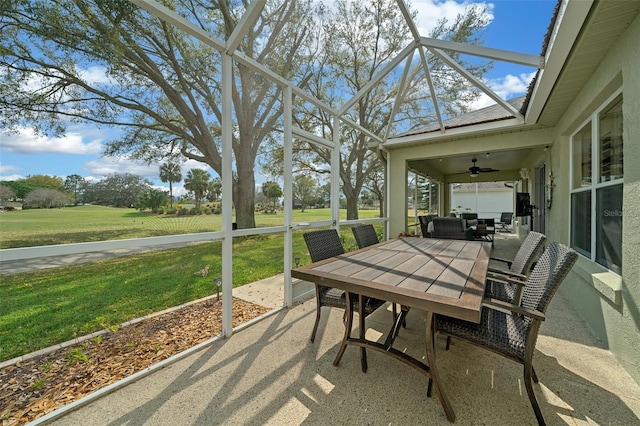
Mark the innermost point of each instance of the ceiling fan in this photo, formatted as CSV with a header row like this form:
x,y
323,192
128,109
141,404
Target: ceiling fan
x,y
474,171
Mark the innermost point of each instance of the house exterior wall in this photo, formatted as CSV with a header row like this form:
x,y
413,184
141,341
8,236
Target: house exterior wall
x,y
608,302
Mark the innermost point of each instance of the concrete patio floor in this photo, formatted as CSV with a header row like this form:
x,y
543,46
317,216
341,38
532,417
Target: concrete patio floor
x,y
269,373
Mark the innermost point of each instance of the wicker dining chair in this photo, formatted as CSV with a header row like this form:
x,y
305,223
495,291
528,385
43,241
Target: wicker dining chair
x,y
505,220
322,245
511,330
507,284
365,235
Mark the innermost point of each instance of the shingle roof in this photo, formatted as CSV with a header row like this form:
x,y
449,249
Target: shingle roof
x,y
484,115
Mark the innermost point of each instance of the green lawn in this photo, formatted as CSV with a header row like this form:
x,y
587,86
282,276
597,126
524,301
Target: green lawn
x,y
38,309
27,228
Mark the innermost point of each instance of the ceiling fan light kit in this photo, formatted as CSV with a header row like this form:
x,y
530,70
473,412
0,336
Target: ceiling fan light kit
x,y
474,171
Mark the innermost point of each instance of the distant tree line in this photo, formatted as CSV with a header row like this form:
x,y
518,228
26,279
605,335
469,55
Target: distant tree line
x,y
128,190
117,190
43,191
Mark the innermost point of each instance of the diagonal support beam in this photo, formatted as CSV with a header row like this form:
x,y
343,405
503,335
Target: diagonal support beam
x,y
476,82
399,96
409,20
310,137
484,52
249,18
379,76
432,89
169,16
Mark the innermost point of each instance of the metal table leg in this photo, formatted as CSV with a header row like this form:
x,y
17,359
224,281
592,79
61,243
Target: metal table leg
x,y
433,370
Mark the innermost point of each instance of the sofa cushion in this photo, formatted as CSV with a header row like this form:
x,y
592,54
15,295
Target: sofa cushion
x,y
451,228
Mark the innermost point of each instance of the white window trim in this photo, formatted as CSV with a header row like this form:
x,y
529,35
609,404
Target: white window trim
x,y
594,119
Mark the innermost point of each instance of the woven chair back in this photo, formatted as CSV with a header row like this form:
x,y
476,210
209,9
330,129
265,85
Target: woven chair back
x,y
365,235
528,251
549,272
323,244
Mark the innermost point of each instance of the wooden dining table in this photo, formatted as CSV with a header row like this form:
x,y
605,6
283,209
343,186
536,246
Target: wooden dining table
x,y
437,276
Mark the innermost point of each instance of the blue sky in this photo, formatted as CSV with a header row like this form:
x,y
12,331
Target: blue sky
x,y
517,25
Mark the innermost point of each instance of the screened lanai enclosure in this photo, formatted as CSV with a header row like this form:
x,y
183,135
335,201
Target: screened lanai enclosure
x,y
347,112
281,92
293,95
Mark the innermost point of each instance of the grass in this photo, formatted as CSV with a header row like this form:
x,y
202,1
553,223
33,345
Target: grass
x,y
39,227
42,308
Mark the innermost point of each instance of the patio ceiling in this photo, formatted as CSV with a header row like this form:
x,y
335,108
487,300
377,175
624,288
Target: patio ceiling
x,y
454,169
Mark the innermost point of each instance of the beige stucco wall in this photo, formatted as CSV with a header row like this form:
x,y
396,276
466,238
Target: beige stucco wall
x,y
609,303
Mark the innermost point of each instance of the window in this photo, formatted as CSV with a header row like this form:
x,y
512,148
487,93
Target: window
x,y
582,157
596,187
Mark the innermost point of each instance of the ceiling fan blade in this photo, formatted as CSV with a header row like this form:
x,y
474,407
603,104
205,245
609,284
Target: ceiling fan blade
x,y
488,169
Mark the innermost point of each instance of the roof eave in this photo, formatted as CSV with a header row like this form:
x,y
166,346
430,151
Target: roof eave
x,y
569,23
508,124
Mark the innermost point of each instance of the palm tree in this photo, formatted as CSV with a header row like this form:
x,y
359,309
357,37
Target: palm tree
x,y
197,180
170,172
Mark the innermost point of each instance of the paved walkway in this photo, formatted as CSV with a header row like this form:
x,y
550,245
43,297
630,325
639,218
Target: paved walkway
x,y
46,262
270,373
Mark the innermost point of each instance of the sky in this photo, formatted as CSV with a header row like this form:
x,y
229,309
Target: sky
x,y
517,25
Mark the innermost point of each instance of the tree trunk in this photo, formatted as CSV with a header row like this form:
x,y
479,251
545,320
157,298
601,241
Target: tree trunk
x,y
244,199
352,202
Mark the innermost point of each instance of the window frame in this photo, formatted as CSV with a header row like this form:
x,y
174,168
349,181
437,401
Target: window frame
x,y
596,184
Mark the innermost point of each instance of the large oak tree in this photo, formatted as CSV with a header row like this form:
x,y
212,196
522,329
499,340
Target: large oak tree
x,y
360,39
161,86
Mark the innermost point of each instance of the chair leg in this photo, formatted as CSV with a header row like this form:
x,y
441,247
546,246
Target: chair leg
x,y
530,374
363,350
315,326
448,342
528,368
534,376
395,315
347,332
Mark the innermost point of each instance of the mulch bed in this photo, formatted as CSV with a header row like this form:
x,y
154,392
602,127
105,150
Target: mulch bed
x,y
35,387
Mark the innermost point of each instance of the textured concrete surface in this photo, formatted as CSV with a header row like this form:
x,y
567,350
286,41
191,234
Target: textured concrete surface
x,y
270,373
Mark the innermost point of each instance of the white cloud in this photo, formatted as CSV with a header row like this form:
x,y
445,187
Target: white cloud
x,y
95,75
512,84
9,172
25,141
14,176
8,169
104,166
506,87
432,11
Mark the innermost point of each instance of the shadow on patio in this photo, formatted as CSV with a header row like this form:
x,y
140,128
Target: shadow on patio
x,y
270,373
